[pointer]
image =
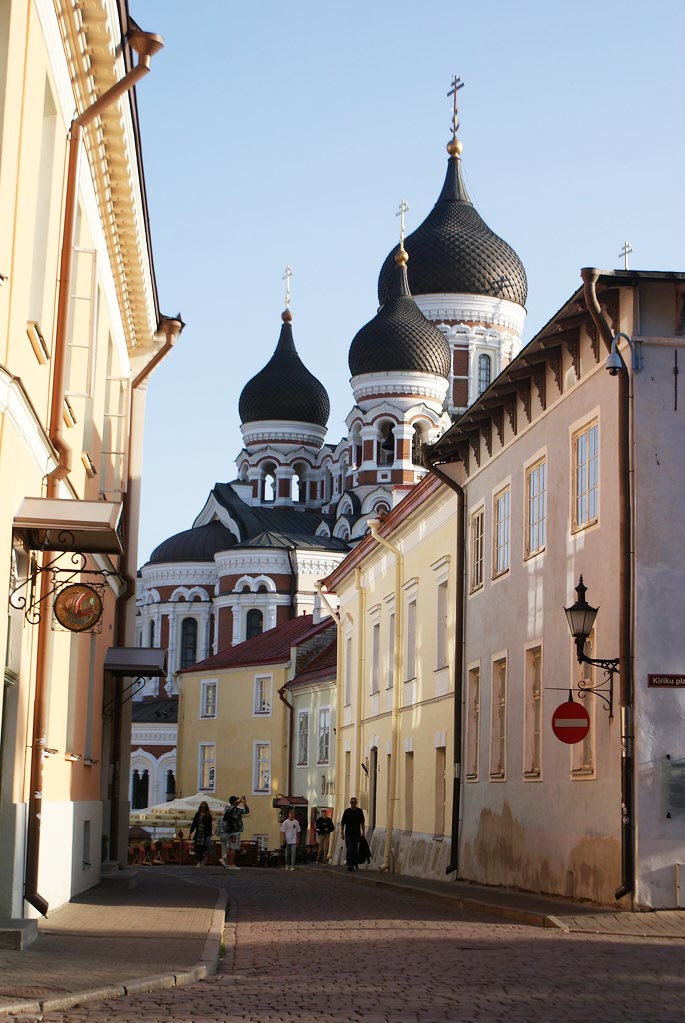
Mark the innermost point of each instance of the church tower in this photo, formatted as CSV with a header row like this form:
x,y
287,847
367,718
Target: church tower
x,y
465,279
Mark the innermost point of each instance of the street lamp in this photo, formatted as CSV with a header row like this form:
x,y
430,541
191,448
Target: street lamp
x,y
581,618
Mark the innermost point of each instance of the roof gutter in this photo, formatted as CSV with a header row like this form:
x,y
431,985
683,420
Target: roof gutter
x,y
459,630
590,277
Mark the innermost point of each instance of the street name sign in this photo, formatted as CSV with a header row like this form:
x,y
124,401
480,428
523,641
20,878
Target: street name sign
x,y
570,722
666,681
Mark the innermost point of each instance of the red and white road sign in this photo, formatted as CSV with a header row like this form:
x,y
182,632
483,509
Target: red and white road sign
x,y
570,722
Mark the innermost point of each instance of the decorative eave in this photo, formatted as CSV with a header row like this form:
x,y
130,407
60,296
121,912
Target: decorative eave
x,y
96,60
537,371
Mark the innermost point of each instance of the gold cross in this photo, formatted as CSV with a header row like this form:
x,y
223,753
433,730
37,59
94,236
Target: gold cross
x,y
625,252
457,84
404,208
286,277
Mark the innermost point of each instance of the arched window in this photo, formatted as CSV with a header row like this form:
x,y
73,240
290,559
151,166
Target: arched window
x,y
139,790
300,482
188,642
151,633
484,373
386,445
170,786
255,623
269,483
417,443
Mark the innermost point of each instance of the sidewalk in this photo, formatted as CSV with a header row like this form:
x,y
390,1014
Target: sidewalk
x,y
534,910
112,941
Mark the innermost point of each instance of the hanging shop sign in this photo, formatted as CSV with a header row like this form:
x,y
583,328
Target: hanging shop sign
x,y
570,722
78,607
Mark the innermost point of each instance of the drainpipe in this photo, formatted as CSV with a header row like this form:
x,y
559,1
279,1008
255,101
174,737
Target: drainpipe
x,y
291,715
145,44
361,658
335,615
171,327
374,525
453,866
590,277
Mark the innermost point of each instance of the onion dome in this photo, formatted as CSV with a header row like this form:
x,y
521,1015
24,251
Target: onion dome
x,y
199,544
454,250
399,338
285,389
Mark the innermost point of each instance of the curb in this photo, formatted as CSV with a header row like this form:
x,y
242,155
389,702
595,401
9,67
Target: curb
x,y
205,967
522,916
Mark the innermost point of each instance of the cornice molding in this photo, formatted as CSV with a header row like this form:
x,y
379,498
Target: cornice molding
x,y
478,308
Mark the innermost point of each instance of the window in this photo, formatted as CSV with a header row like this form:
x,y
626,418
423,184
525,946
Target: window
x,y
262,695
324,735
375,655
484,373
473,723
348,671
533,713
208,699
391,651
151,633
440,789
261,781
254,623
498,728
501,551
411,640
477,529
583,753
409,791
302,738
536,505
586,476
188,642
207,766
441,644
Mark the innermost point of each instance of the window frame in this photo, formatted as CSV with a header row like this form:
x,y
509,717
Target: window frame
x,y
257,766
258,702
591,493
208,685
208,764
302,753
533,712
323,730
473,722
498,716
477,550
536,503
501,525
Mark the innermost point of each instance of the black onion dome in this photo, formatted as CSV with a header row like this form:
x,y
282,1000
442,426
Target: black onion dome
x,y
285,389
454,250
399,338
199,544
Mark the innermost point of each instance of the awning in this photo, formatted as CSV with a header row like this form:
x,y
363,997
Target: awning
x,y
285,802
136,661
55,524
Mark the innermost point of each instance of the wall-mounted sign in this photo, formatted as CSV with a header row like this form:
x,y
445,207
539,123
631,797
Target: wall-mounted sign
x,y
78,607
666,681
570,722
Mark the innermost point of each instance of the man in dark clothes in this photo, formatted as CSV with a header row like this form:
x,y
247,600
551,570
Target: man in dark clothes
x,y
352,827
324,828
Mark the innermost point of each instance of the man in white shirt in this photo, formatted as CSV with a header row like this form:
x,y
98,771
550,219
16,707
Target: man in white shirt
x,y
290,829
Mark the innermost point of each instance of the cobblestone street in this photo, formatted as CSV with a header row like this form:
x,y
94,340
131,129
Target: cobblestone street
x,y
310,945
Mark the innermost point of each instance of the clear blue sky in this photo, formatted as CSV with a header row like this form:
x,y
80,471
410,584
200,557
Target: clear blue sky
x,y
278,132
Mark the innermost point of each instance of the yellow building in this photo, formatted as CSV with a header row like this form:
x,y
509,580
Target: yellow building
x,y
80,331
395,699
236,724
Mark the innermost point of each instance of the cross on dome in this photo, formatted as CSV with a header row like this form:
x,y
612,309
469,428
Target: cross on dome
x,y
457,84
403,208
625,252
286,277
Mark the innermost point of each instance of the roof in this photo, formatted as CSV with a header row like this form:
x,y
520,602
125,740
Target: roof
x,y
285,389
454,251
321,668
271,647
296,540
200,543
399,338
155,711
290,522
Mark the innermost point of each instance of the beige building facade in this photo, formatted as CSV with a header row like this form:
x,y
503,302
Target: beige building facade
x,y
80,330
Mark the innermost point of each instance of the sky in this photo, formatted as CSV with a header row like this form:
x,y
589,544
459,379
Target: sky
x,y
279,133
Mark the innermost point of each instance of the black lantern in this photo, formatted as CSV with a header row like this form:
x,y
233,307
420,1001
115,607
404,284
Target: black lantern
x,y
581,617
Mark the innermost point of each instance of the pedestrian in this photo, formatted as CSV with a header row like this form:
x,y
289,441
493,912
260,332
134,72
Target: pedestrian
x,y
324,827
201,827
232,827
290,829
352,828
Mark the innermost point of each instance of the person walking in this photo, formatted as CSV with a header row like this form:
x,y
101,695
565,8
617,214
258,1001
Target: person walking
x,y
290,829
352,828
201,827
232,826
324,827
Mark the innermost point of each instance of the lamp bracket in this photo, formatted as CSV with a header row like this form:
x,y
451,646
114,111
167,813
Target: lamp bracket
x,y
131,689
605,690
63,569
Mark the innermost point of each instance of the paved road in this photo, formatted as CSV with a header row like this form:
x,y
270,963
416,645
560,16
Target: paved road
x,y
311,946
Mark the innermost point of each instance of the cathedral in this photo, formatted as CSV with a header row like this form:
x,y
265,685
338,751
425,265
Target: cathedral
x,y
451,311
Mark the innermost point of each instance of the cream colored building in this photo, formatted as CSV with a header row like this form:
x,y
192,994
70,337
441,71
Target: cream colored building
x,y
395,700
74,362
236,723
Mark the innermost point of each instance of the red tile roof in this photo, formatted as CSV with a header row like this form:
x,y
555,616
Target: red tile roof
x,y
271,647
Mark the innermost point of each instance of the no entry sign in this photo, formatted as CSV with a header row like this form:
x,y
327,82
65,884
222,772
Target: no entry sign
x,y
570,722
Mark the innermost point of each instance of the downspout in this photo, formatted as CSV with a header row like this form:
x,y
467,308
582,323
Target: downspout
x,y
397,682
145,44
460,561
339,688
293,581
291,714
171,327
361,659
590,277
